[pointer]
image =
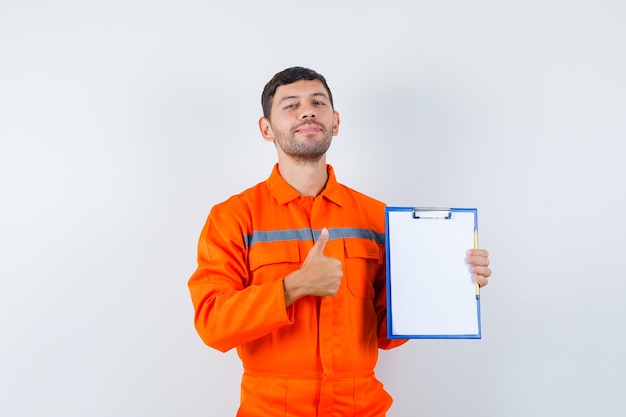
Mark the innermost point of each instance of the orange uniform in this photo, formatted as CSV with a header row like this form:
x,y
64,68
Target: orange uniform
x,y
317,356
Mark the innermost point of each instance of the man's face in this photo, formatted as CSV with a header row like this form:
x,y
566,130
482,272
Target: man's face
x,y
302,121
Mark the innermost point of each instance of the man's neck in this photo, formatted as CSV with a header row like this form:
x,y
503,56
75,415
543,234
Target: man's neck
x,y
308,177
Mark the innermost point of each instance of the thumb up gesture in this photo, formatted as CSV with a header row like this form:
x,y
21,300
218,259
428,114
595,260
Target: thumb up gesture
x,y
319,275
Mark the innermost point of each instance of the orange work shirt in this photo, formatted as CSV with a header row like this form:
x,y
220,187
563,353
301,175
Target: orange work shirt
x,y
317,356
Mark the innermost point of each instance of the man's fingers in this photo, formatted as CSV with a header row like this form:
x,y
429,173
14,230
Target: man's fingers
x,y
478,252
477,257
481,280
480,270
320,243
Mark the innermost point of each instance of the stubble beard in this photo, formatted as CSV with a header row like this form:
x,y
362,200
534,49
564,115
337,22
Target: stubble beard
x,y
306,150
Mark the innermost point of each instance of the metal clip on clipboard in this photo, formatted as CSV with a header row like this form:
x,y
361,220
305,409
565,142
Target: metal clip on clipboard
x,y
432,213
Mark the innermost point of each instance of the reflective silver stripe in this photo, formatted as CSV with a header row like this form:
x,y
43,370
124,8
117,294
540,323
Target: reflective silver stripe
x,y
348,232
308,234
278,236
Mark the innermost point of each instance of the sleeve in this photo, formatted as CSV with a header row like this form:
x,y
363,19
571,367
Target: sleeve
x,y
228,311
380,305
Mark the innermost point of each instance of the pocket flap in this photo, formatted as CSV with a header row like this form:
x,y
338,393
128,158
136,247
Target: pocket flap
x,y
360,248
267,253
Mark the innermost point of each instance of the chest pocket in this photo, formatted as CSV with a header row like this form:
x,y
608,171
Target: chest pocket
x,y
271,261
363,259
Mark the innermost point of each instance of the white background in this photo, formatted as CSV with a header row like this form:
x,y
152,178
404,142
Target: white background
x,y
123,122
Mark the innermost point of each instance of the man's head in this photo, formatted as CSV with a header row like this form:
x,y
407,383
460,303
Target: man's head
x,y
303,120
289,76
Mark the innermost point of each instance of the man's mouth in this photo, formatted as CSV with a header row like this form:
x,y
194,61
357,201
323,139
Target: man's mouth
x,y
308,128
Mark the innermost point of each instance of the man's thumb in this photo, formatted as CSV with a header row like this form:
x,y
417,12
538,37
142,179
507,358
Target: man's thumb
x,y
320,243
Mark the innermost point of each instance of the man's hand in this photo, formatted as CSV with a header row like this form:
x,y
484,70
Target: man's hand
x,y
479,261
319,275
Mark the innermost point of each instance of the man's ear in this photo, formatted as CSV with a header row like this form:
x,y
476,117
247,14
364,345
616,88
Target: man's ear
x,y
336,121
266,129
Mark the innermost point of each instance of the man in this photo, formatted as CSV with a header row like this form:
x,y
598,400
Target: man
x,y
291,271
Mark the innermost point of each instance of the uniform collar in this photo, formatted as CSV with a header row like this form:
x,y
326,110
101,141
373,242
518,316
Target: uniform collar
x,y
284,193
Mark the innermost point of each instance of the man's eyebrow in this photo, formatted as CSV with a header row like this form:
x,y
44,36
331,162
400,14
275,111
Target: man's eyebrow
x,y
318,94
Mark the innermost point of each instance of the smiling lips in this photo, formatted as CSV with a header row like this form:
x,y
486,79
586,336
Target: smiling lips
x,y
309,128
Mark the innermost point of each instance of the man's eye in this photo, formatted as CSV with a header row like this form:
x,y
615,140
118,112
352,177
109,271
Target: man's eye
x,y
290,106
319,103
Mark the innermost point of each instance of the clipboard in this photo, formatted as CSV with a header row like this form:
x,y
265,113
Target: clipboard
x,y
430,292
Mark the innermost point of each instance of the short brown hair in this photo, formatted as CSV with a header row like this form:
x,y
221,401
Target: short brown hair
x,y
289,76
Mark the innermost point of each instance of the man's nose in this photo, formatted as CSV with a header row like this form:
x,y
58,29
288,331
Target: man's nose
x,y
307,112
